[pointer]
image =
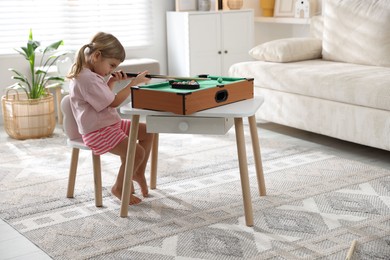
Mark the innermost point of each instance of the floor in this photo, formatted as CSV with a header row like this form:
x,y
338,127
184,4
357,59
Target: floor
x,y
14,246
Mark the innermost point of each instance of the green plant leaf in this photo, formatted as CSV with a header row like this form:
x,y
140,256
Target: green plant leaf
x,y
16,72
22,78
23,52
40,72
53,46
55,79
35,83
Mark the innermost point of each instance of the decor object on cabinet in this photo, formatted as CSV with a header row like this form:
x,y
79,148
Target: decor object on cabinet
x,y
186,5
204,5
284,8
268,7
214,5
302,8
235,4
31,113
219,4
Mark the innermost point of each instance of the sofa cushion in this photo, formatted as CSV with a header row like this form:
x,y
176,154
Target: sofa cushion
x,y
341,82
287,50
357,31
317,26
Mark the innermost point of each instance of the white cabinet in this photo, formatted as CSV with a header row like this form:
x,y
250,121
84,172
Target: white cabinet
x,y
208,42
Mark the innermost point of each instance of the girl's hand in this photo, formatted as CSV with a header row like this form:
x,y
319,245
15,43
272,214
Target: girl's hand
x,y
140,79
117,76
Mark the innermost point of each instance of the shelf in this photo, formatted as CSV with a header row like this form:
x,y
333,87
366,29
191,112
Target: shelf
x,y
282,20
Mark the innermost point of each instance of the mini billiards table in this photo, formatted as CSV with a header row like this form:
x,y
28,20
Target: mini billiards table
x,y
184,98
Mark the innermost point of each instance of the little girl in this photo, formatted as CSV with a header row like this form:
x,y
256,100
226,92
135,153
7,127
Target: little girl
x,y
94,106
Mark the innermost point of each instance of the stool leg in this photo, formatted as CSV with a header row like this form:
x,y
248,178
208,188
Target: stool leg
x,y
72,172
154,160
58,100
257,155
97,177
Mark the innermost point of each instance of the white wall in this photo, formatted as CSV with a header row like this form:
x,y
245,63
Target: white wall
x,y
263,32
156,51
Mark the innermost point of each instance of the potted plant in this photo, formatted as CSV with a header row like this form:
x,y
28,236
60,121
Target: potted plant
x,y
28,106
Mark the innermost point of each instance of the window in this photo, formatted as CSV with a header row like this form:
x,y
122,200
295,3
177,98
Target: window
x,y
74,21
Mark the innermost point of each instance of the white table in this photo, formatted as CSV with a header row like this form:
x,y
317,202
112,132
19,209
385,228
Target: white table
x,y
195,123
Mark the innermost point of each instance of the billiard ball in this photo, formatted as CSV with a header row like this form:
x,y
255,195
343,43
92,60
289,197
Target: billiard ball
x,y
219,80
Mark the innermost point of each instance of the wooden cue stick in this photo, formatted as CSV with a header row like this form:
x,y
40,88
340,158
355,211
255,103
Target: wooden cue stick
x,y
351,249
166,77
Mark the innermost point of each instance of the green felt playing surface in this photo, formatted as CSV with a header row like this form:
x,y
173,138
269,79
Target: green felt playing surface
x,y
203,84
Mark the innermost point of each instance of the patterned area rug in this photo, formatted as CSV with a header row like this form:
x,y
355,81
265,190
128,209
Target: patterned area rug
x,y
316,203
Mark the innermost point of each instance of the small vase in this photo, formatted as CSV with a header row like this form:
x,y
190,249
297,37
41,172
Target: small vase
x,y
268,7
204,5
234,4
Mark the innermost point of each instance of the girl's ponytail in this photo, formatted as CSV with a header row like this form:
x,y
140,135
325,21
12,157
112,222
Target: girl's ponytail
x,y
79,63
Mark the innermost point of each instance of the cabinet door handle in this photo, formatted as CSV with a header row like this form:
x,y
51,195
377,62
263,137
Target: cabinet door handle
x,y
226,51
219,52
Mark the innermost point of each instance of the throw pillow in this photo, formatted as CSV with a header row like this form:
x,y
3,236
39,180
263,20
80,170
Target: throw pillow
x,y
357,31
288,50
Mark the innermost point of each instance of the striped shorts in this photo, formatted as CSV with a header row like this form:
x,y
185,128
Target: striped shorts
x,y
106,138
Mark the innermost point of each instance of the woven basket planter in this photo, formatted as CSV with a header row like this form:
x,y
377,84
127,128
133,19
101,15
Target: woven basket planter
x,y
28,118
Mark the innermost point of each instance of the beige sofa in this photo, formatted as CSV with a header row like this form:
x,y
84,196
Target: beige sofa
x,y
336,83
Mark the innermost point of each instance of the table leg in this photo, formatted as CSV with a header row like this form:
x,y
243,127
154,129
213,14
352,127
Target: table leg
x,y
257,155
154,159
129,169
243,164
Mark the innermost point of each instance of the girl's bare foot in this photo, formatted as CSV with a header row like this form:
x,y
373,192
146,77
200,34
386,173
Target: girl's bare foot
x,y
141,180
118,194
134,200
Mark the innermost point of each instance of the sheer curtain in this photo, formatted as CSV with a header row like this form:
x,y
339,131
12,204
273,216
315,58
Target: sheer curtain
x,y
74,21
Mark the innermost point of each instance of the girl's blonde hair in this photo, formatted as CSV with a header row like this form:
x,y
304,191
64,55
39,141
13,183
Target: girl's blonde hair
x,y
108,45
